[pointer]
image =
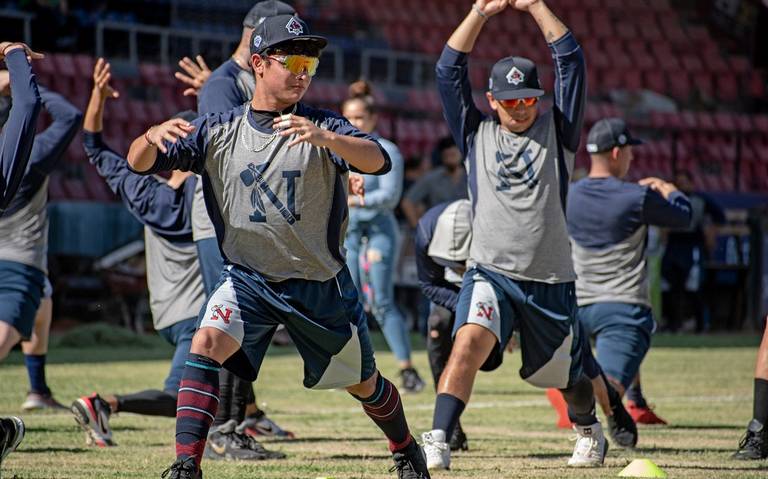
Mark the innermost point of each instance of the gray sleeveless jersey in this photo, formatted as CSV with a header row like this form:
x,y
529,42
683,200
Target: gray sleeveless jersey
x,y
24,234
202,227
282,210
519,227
175,284
615,274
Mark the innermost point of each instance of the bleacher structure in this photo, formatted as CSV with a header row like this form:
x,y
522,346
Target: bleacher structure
x,y
632,47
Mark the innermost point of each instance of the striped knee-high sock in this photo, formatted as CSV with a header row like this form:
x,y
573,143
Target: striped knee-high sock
x,y
385,408
196,405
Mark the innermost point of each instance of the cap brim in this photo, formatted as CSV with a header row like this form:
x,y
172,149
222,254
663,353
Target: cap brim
x,y
634,142
515,94
321,42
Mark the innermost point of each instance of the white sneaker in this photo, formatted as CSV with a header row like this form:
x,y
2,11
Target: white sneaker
x,y
436,450
591,446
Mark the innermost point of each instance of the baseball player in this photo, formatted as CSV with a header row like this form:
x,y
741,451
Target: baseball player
x,y
229,86
520,273
275,186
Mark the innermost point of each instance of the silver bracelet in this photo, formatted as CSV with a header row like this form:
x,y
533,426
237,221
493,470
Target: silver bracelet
x,y
478,11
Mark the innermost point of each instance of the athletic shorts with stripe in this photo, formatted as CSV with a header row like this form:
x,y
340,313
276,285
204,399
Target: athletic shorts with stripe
x,y
325,320
544,315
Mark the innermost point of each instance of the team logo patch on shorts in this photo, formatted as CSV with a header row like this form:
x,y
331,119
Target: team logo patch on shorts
x,y
220,312
484,310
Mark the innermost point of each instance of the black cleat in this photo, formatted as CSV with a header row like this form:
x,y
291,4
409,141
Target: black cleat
x,y
622,428
459,439
411,381
11,434
183,469
754,445
410,462
225,443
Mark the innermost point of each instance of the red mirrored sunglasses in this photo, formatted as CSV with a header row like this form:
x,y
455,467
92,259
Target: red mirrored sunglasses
x,y
529,102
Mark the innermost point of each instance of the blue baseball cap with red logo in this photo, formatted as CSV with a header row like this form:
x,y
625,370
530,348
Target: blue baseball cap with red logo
x,y
514,77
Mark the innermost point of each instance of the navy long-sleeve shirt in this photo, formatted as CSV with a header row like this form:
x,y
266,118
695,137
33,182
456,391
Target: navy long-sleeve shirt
x,y
431,274
518,182
49,146
18,133
607,222
166,211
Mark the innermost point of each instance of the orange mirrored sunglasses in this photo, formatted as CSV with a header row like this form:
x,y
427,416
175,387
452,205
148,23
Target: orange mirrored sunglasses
x,y
298,64
516,101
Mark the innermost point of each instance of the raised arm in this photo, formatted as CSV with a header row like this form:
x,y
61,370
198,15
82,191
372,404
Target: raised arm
x,y
51,144
451,71
570,71
18,133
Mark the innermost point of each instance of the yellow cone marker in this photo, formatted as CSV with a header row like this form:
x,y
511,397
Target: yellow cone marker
x,y
642,468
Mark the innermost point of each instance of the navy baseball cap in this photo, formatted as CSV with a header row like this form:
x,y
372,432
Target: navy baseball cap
x,y
267,8
514,77
608,133
282,28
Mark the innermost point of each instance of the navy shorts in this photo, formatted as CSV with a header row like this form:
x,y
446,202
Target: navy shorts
x,y
21,288
622,333
325,320
544,314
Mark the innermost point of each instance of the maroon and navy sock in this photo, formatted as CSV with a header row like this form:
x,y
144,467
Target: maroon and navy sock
x,y
196,405
385,408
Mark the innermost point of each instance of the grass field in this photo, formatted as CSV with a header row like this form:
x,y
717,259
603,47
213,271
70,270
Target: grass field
x,y
703,386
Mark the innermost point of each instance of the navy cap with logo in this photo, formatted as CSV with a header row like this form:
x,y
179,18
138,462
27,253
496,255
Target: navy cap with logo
x,y
264,9
609,133
282,28
514,77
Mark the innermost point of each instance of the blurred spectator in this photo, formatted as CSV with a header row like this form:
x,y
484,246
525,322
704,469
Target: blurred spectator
x,y
446,183
686,251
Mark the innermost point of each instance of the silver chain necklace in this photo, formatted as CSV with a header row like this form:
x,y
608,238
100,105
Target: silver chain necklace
x,y
267,139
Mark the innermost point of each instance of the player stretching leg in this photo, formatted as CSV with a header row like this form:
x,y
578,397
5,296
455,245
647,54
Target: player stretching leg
x,y
229,86
275,185
609,249
521,273
18,120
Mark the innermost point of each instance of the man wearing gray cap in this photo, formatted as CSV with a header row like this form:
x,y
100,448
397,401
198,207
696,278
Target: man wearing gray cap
x,y
520,273
608,221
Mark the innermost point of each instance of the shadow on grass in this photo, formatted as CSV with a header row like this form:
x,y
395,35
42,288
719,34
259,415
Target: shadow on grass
x,y
313,439
758,467
682,450
47,450
704,427
357,457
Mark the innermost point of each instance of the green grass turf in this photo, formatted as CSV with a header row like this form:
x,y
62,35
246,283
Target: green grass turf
x,y
703,386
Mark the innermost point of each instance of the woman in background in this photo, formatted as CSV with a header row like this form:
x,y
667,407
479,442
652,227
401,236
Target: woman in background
x,y
373,219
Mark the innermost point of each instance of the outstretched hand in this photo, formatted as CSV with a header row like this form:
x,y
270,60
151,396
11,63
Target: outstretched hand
x,y
101,76
7,47
169,131
197,74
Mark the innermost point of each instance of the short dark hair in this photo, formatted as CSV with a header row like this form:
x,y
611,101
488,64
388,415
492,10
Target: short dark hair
x,y
444,143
